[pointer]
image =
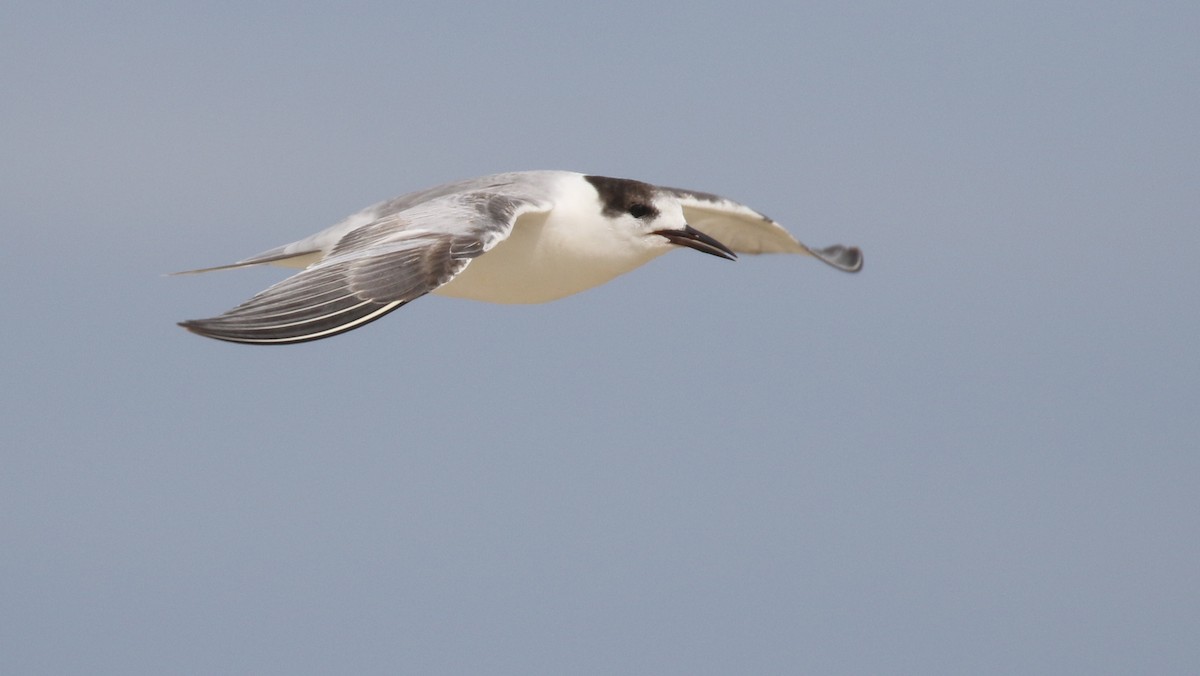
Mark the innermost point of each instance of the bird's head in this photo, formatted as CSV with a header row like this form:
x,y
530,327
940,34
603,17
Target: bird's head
x,y
654,217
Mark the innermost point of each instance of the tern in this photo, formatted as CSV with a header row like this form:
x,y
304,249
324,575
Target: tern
x,y
517,237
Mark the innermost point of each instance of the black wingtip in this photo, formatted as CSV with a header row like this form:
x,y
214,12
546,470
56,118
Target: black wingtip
x,y
844,258
233,328
199,327
196,326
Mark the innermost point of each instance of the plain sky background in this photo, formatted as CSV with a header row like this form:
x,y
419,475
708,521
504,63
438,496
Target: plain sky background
x,y
978,456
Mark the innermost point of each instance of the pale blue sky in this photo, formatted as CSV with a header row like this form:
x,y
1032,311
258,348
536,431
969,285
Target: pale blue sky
x,y
978,456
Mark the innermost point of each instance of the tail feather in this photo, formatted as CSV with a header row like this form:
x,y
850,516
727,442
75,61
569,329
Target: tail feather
x,y
292,260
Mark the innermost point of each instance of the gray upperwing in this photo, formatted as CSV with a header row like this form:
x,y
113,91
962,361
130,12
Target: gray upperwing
x,y
373,270
526,186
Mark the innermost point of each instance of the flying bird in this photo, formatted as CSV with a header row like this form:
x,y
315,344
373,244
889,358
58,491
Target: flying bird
x,y
518,237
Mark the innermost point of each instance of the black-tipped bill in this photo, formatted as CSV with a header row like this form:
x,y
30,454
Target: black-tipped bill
x,y
694,239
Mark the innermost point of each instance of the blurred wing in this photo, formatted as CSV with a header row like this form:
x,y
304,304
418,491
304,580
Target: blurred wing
x,y
744,230
373,270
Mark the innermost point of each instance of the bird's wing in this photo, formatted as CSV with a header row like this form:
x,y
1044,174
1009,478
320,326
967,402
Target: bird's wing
x,y
314,248
375,269
744,230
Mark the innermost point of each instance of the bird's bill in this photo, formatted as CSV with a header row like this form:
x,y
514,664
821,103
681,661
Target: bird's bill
x,y
694,239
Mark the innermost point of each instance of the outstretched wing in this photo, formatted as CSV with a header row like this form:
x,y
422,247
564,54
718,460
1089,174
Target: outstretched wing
x,y
374,270
744,230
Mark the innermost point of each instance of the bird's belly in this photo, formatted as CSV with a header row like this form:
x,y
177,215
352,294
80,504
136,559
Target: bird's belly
x,y
524,270
492,280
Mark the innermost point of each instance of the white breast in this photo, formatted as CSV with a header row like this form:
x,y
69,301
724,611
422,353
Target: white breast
x,y
555,254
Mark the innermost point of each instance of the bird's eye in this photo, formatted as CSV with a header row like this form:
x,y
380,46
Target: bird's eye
x,y
640,210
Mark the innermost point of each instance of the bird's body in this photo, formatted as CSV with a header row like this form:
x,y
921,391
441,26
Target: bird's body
x,y
554,253
519,237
